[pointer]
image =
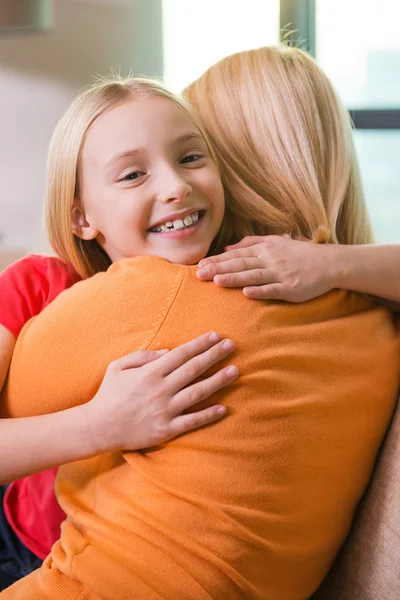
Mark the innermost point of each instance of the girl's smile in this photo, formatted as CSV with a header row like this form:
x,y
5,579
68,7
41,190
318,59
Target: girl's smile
x,y
179,223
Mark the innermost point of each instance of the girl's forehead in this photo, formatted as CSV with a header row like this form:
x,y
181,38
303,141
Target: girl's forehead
x,y
143,113
137,121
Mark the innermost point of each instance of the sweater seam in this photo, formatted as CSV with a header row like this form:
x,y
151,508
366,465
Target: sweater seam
x,y
167,312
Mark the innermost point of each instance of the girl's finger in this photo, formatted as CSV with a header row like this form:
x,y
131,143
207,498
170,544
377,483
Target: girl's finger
x,y
247,241
258,277
136,359
195,367
233,265
185,353
232,254
185,423
273,291
203,389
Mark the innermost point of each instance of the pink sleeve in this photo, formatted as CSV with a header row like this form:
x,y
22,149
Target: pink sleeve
x,y
27,286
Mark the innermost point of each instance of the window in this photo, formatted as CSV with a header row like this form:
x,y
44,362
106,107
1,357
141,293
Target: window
x,y
379,158
358,45
198,34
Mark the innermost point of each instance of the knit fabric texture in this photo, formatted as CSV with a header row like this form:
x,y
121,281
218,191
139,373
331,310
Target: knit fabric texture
x,y
254,507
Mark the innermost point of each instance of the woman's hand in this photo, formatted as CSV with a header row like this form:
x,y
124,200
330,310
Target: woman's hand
x,y
141,399
273,267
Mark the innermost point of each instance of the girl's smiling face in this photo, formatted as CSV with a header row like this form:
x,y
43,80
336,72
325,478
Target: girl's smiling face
x,y
148,184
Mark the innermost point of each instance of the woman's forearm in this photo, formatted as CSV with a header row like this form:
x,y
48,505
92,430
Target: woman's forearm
x,y
33,444
370,269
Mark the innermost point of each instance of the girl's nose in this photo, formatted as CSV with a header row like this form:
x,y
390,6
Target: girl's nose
x,y
174,189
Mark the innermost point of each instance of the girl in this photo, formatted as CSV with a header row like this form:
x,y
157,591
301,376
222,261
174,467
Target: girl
x,y
162,206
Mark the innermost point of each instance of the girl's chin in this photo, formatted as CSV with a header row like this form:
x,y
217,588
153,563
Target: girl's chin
x,y
180,256
187,258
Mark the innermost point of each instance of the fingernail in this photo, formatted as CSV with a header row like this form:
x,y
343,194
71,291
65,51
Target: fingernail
x,y
214,337
228,345
163,351
248,291
221,410
220,279
232,371
202,273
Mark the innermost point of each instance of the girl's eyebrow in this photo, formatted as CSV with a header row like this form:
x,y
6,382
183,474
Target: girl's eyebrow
x,y
192,135
126,154
189,136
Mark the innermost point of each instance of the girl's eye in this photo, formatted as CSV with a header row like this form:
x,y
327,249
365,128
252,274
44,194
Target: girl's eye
x,y
132,176
191,158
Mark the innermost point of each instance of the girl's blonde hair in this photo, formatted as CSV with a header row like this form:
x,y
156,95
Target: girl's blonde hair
x,y
86,256
285,148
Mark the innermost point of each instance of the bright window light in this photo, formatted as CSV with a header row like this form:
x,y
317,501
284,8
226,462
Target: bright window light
x,y
198,34
358,45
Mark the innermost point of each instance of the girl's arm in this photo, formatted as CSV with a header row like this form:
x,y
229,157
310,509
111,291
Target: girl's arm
x,y
372,269
274,267
139,404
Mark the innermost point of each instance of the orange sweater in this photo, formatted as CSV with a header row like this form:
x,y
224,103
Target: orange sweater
x,y
254,507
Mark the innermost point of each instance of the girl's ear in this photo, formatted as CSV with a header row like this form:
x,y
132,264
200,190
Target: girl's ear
x,y
81,227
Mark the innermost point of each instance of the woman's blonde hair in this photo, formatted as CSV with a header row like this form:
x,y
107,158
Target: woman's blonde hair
x,y
86,256
285,148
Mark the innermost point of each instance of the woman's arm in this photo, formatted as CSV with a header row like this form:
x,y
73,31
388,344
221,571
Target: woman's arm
x,y
139,404
274,267
7,343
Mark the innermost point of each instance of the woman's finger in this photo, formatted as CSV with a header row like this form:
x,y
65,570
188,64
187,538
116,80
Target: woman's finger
x,y
233,265
201,390
196,366
258,277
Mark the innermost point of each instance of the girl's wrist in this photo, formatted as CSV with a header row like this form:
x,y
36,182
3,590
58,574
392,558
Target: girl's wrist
x,y
337,265
94,429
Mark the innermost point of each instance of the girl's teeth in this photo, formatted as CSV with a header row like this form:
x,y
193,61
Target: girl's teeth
x,y
178,224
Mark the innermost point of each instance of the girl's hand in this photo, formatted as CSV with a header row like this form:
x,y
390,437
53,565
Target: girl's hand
x,y
141,399
273,267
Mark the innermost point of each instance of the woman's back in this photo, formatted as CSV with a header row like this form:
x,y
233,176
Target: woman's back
x,y
254,507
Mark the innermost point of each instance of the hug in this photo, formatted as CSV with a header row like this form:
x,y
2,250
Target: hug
x,y
142,186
